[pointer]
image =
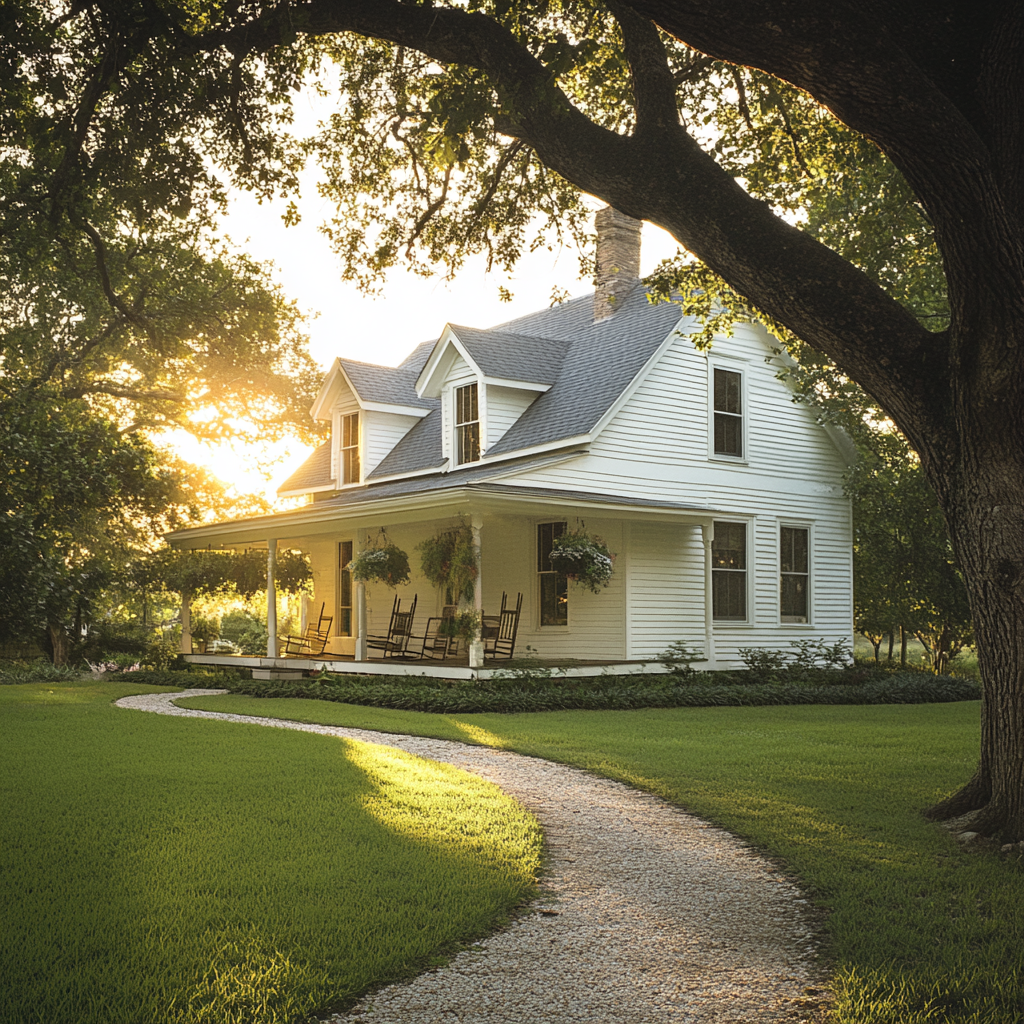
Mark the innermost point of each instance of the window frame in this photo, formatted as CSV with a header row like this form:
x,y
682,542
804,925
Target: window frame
x,y
745,572
740,369
344,557
792,524
562,581
350,455
461,425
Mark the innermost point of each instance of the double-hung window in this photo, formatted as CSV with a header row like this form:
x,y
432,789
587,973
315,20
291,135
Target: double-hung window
x,y
467,424
344,620
350,448
728,413
794,572
729,572
554,585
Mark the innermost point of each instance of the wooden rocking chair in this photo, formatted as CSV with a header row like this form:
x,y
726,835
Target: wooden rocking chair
x,y
500,639
399,632
310,644
436,643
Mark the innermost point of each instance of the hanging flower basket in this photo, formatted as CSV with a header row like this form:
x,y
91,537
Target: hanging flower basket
x,y
449,561
388,564
584,559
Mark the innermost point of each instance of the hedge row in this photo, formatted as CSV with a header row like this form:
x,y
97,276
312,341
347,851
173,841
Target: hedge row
x,y
614,695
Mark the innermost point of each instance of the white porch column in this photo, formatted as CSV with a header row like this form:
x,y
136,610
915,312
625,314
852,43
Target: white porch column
x,y
186,622
271,598
708,533
360,621
476,646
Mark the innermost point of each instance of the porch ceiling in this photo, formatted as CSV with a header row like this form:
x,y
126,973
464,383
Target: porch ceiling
x,y
323,518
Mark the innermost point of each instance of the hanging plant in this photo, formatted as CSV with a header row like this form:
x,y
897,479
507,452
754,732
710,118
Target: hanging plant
x,y
449,561
583,558
384,563
464,625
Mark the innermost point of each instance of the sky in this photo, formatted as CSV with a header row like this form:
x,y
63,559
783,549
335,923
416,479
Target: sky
x,y
382,330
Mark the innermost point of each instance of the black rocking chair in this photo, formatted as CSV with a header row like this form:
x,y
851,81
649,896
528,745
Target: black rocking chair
x,y
500,638
396,642
437,642
310,644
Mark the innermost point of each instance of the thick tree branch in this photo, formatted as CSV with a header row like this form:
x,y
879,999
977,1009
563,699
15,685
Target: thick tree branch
x,y
667,178
654,88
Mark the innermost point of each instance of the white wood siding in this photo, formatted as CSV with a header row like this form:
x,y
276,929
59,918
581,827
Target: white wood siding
x,y
503,407
657,446
666,588
381,431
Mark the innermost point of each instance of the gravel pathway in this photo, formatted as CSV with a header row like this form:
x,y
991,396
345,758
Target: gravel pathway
x,y
647,914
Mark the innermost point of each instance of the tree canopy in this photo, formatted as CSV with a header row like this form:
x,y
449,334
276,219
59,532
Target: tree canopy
x,y
850,171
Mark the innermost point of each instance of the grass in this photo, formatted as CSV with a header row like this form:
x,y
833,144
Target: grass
x,y
192,872
919,931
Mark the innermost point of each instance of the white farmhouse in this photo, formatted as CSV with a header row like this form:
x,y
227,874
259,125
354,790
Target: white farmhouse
x,y
720,497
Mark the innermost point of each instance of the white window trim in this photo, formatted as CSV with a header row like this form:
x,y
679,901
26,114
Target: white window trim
x,y
749,572
733,366
452,434
337,414
547,630
360,448
796,524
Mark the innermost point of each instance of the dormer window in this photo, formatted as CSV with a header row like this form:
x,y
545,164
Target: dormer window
x,y
467,424
349,449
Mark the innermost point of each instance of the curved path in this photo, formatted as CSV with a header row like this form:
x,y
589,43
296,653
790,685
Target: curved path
x,y
647,914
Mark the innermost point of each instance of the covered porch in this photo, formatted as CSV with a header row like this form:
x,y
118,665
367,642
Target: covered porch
x,y
660,591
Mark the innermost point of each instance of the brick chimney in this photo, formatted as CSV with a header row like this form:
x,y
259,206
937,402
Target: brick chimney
x,y
618,260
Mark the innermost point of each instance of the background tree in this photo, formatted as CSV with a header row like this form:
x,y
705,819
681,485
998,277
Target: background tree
x,y
479,113
905,578
78,500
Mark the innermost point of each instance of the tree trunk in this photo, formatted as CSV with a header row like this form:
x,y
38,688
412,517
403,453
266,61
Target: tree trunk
x,y
59,643
892,642
984,506
903,647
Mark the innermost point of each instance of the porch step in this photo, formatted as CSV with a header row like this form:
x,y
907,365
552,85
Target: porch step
x,y
277,673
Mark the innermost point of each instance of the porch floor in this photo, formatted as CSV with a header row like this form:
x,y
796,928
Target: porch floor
x,y
450,668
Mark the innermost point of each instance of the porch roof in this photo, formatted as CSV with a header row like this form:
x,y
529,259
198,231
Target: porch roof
x,y
419,498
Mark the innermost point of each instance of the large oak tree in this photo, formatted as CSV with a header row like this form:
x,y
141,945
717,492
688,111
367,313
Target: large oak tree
x,y
461,121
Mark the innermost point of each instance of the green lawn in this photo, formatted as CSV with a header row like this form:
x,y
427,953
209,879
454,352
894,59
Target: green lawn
x,y
919,930
177,871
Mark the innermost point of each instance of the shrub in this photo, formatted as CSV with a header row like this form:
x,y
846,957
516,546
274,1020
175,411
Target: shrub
x,y
253,639
235,622
510,693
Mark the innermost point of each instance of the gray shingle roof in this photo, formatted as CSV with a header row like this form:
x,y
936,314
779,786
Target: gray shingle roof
x,y
490,478
601,362
419,449
314,473
588,366
391,385
514,356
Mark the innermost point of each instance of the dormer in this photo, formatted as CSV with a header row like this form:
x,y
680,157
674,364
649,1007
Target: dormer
x,y
485,380
370,409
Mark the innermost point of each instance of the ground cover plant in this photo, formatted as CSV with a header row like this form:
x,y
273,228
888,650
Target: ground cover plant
x,y
191,872
920,931
532,690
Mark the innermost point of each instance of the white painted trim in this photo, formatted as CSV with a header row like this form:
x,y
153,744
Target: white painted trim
x,y
795,523
516,385
400,410
749,523
393,667
729,363
426,386
307,490
323,517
